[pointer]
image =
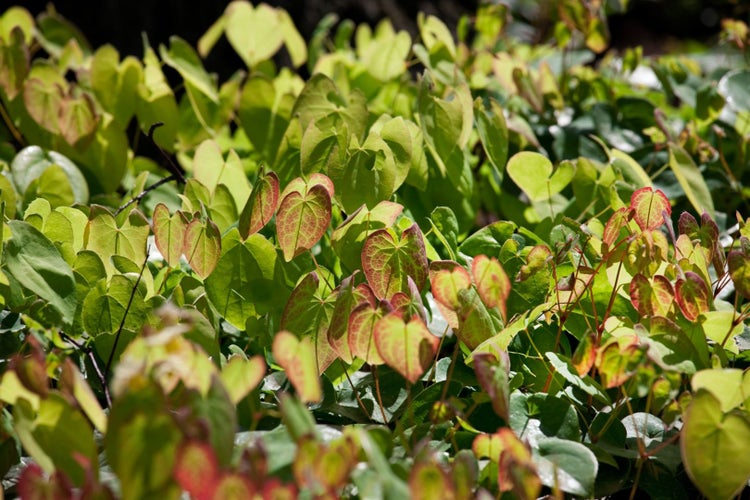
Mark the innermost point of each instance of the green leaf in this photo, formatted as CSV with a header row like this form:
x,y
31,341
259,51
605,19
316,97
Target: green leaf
x,y
493,132
115,83
182,57
492,374
492,283
713,446
567,465
384,56
242,283
202,246
564,367
536,417
211,169
156,102
691,180
322,103
447,280
38,266
169,233
302,219
262,41
241,375
106,304
649,208
693,295
293,41
388,263
475,324
261,206
58,437
107,237
428,481
406,346
297,358
730,386
31,163
14,59
536,176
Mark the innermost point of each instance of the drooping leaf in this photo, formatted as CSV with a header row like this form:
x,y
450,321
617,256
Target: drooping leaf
x,y
261,206
691,180
475,324
183,58
739,270
492,283
712,444
692,295
361,332
492,374
447,279
38,266
649,208
406,346
297,358
202,246
169,233
567,465
388,262
302,219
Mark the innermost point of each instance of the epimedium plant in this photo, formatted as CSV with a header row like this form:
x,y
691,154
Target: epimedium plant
x,y
513,272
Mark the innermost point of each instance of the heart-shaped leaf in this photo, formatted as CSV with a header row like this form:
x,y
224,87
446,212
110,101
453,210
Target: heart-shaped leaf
x,y
261,206
240,376
427,480
713,445
361,331
388,263
302,220
169,233
616,222
567,465
492,374
253,45
649,208
297,358
202,246
693,295
210,168
349,237
492,283
406,346
105,236
651,298
347,298
233,485
537,177
447,279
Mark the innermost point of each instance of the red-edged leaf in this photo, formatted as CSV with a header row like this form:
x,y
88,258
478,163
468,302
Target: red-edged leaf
x,y
233,485
619,360
317,466
297,358
739,270
261,206
651,298
31,370
447,278
616,222
302,220
428,481
388,263
361,332
407,347
196,469
301,186
202,246
585,354
649,207
169,233
492,374
347,299
492,283
693,295
308,312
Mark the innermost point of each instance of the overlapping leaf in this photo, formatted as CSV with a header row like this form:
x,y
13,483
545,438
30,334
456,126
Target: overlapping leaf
x,y
302,219
388,262
407,346
297,358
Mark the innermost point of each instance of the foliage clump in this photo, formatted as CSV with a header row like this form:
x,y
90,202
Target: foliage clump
x,y
451,266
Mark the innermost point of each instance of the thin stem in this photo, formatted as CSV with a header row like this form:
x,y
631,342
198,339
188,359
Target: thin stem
x,y
359,400
377,393
124,316
11,127
142,194
90,354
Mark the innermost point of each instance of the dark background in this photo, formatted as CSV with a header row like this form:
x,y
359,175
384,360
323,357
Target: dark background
x,y
657,25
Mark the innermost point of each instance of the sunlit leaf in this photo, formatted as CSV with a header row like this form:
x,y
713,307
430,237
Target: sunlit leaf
x,y
649,208
492,374
447,279
691,180
739,269
713,446
361,332
302,219
169,233
406,346
388,262
297,358
428,481
349,237
536,175
202,246
240,376
492,283
693,296
183,58
261,206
